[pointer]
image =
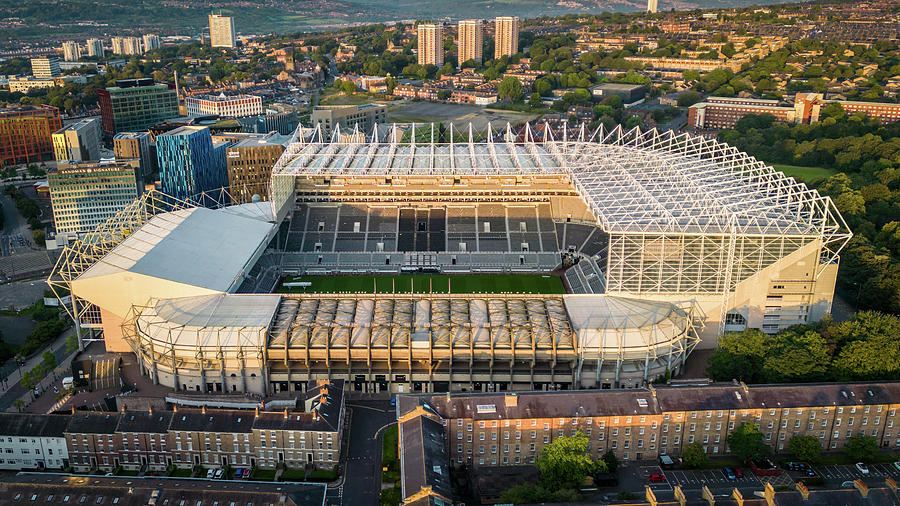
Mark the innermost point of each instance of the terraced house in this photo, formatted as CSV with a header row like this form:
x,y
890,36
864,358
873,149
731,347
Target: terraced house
x,y
643,423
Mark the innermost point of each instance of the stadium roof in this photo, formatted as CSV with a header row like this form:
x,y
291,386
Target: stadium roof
x,y
634,181
185,252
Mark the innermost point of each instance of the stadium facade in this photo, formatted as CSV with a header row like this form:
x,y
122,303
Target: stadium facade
x,y
665,242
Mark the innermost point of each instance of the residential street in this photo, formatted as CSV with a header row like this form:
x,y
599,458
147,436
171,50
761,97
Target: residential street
x,y
362,483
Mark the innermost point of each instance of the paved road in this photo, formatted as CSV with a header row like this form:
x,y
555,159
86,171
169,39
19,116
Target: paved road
x,y
362,485
16,390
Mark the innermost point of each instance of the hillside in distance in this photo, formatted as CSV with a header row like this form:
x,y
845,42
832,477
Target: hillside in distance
x,y
58,19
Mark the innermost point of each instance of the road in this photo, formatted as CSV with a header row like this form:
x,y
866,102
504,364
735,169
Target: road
x,y
16,389
15,229
362,485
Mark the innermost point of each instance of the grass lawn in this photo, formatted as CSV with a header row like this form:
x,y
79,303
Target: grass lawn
x,y
390,497
293,475
805,174
425,283
389,457
262,474
322,475
180,473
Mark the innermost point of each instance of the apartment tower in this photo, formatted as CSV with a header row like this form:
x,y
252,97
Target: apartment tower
x,y
506,38
45,67
653,6
151,42
471,35
431,44
95,47
221,31
71,51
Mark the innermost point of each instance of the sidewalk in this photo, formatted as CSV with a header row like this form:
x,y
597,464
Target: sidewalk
x,y
14,390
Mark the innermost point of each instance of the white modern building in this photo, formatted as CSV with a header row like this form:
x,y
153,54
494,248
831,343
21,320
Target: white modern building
x,y
33,441
221,31
126,45
235,106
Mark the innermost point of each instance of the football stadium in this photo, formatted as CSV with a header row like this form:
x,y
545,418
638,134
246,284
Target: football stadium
x,y
432,259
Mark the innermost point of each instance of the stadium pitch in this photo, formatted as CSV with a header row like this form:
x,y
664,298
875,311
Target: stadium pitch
x,y
427,283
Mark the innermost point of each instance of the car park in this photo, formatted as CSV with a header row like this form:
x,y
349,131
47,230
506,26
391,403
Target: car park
x,y
862,468
656,478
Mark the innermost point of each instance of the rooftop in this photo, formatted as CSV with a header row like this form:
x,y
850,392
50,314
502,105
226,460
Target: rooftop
x,y
219,420
93,423
144,422
131,491
424,456
633,181
18,424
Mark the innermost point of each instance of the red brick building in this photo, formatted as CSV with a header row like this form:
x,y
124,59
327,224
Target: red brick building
x,y
25,133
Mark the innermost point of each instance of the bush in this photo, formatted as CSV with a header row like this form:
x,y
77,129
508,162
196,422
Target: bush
x,y
531,493
694,456
861,447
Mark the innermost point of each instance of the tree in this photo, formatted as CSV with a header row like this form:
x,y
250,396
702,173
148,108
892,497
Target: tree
x,y
49,361
612,462
510,88
805,448
348,87
71,344
694,456
747,442
688,98
532,493
535,100
19,404
566,462
861,447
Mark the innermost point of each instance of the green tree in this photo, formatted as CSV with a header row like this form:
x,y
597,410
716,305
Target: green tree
x,y
533,493
510,88
806,448
19,404
566,462
694,456
861,447
71,344
747,442
348,87
612,462
535,100
49,361
688,98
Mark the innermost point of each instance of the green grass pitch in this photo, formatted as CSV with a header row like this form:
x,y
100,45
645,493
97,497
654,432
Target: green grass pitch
x,y
429,283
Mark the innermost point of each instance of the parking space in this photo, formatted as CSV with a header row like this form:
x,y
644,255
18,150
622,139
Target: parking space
x,y
850,473
782,479
646,471
713,478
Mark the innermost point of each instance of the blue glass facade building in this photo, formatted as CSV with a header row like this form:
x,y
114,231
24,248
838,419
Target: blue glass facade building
x,y
189,162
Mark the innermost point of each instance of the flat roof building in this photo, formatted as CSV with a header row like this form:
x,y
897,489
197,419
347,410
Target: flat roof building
x,y
470,40
95,48
364,116
190,163
78,142
249,164
26,133
130,146
135,105
506,36
71,51
431,44
221,31
45,67
234,106
85,195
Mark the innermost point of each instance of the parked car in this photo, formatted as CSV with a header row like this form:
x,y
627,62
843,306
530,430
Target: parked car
x,y
245,474
238,473
897,465
656,478
862,468
219,473
393,402
738,473
667,462
729,473
210,474
764,467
